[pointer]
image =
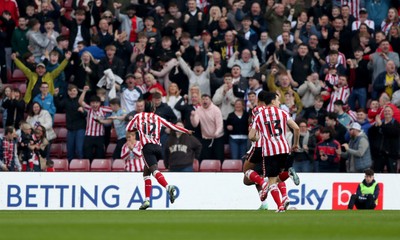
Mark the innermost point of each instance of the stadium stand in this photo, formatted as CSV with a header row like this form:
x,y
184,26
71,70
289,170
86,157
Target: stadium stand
x,y
101,165
59,120
210,165
232,165
161,166
196,165
61,165
118,165
79,165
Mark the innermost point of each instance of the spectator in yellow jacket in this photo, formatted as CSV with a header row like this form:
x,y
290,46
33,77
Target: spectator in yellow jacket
x,y
40,75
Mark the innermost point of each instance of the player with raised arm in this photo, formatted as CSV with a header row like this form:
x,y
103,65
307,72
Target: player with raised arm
x,y
271,125
149,124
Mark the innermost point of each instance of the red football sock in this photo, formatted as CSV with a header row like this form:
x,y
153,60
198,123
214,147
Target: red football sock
x,y
31,165
24,167
147,187
160,178
254,177
276,195
283,176
282,189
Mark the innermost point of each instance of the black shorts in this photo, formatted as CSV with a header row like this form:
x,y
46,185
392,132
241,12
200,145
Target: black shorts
x,y
255,156
151,154
275,164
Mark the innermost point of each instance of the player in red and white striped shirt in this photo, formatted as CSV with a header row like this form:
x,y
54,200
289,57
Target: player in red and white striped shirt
x,y
149,127
341,92
94,135
271,124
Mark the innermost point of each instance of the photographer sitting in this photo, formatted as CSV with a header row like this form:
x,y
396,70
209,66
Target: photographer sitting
x,y
367,193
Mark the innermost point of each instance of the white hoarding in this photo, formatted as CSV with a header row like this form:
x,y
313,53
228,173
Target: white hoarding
x,y
125,191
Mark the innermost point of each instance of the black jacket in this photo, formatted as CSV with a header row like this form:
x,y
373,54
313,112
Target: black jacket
x,y
75,119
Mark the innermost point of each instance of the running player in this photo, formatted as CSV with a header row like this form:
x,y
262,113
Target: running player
x,y
270,125
149,127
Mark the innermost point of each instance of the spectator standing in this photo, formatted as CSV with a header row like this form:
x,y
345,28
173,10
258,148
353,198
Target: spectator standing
x,y
75,119
327,152
15,107
210,119
8,151
117,118
384,136
40,75
93,146
237,126
181,150
357,151
45,99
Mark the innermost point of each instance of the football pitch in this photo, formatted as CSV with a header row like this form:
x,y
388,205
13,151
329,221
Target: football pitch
x,y
204,225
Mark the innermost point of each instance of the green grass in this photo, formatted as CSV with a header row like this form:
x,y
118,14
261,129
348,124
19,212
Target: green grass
x,y
204,225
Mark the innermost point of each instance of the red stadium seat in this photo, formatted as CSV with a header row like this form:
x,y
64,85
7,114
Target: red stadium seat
x,y
56,150
67,4
65,31
101,165
232,165
17,76
210,165
110,150
118,165
61,165
21,87
161,166
64,150
61,135
114,137
196,165
227,151
59,120
79,165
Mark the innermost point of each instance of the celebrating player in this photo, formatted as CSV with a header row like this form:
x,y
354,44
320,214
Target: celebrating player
x,y
149,127
271,124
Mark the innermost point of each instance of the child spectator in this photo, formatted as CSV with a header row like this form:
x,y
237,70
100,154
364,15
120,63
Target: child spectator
x,y
117,118
25,140
94,135
132,154
39,149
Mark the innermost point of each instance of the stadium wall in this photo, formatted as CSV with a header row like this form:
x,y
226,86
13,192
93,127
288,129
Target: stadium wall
x,y
222,191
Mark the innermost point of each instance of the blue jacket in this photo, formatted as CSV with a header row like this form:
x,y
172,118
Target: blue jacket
x,y
47,103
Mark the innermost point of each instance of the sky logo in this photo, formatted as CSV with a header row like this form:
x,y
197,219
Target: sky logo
x,y
304,196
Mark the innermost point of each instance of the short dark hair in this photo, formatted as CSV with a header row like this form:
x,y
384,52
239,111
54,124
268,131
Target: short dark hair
x,y
94,98
269,97
332,115
156,95
338,103
369,172
115,101
205,95
9,129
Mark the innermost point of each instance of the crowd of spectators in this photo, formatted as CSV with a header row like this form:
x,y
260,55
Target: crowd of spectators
x,y
202,62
